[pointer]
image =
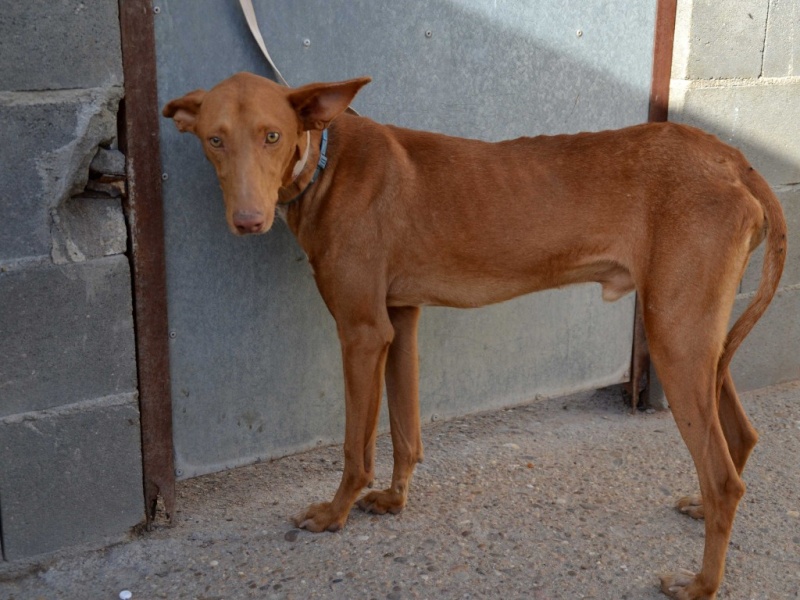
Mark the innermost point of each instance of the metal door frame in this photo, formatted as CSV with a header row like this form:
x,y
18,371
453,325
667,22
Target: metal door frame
x,y
145,217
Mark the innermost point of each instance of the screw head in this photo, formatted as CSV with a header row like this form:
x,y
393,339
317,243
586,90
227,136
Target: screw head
x,y
428,33
164,176
306,42
579,33
156,9
173,334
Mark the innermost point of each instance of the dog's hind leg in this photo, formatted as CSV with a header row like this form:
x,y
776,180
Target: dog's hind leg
x,y
691,386
740,435
686,327
720,484
402,389
739,432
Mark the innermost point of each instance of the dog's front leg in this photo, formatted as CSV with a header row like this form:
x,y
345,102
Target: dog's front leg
x,y
402,390
365,344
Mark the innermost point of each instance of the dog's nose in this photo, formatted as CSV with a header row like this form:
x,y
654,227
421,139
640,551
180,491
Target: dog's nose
x,y
248,221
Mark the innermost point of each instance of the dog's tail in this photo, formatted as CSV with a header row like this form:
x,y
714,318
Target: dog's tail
x,y
774,257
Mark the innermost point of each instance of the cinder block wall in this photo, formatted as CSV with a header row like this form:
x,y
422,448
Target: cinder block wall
x,y
736,73
70,457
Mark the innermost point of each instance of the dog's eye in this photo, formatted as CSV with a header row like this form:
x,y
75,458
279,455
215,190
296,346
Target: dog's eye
x,y
215,142
273,136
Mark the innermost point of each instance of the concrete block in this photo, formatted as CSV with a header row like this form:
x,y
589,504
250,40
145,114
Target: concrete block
x,y
719,40
790,199
756,118
47,141
771,353
67,334
70,476
782,47
108,161
59,44
85,228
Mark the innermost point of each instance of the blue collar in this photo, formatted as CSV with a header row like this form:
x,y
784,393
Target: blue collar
x,y
321,164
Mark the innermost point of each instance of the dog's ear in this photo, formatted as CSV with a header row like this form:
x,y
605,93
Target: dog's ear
x,y
317,104
184,110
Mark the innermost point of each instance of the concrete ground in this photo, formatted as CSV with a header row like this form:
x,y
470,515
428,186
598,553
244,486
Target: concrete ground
x,y
562,498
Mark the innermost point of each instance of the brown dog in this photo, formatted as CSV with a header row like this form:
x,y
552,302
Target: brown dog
x,y
399,219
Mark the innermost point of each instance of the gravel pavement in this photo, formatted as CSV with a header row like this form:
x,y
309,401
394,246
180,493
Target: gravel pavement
x,y
562,498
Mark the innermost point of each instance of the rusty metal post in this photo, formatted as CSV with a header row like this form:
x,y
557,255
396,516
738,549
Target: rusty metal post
x,y
658,111
146,221
662,60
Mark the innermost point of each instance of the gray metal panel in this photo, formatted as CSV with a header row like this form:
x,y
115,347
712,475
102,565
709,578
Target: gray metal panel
x,y
255,362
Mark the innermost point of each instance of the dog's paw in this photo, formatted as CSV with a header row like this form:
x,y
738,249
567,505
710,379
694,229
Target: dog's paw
x,y
383,501
319,517
683,585
692,506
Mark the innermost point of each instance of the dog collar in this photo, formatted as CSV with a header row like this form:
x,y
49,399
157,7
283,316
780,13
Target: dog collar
x,y
321,164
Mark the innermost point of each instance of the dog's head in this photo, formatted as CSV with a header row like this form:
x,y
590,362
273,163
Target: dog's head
x,y
253,132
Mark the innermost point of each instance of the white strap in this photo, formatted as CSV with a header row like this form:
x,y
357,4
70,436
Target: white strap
x,y
252,23
301,164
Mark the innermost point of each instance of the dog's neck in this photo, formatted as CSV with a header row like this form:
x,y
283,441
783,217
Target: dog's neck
x,y
304,175
296,176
